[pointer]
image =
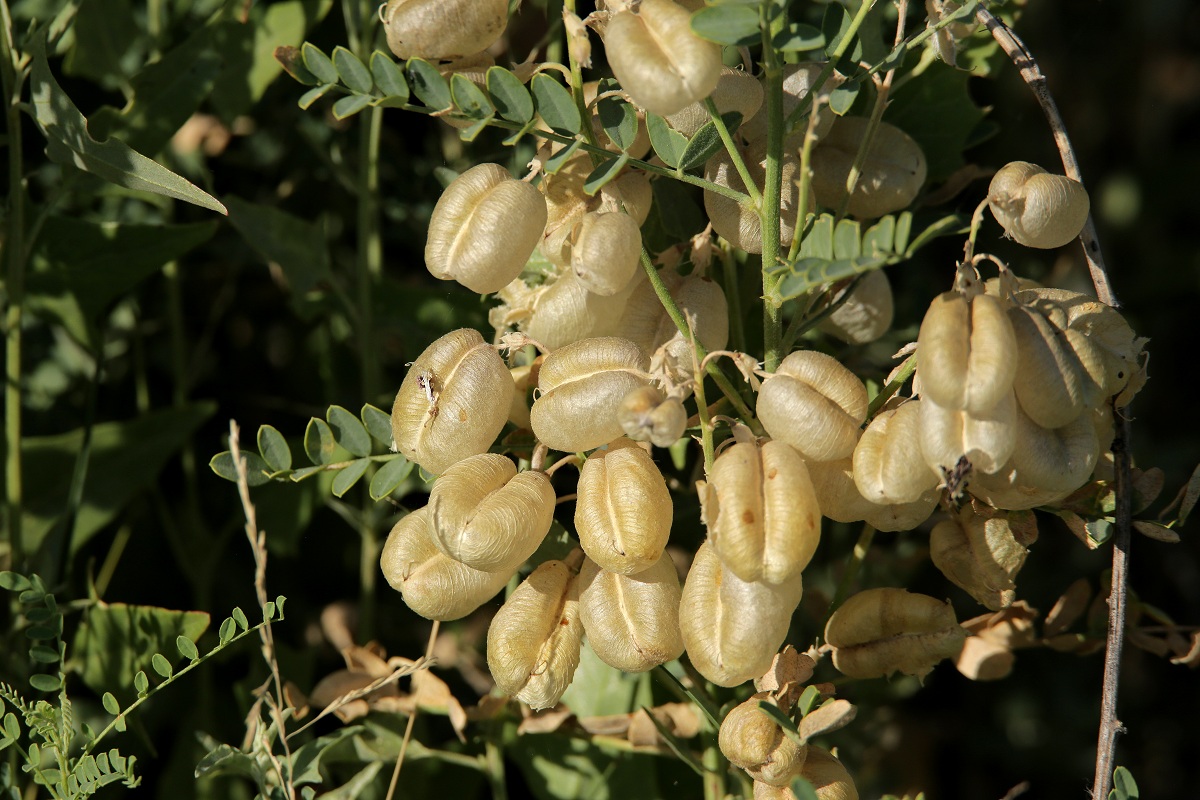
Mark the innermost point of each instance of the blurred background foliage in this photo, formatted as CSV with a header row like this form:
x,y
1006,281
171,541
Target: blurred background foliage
x,y
155,322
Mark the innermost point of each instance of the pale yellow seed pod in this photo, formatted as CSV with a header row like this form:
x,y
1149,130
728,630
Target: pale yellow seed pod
x,y
1060,372
565,311
888,467
966,352
981,550
736,91
1055,460
986,439
624,511
582,386
798,80
731,628
828,776
657,59
646,322
837,494
431,583
484,228
632,621
890,178
881,631
866,314
634,193
606,251
441,29
754,741
761,511
903,516
740,222
1035,208
647,416
566,205
814,404
534,639
487,515
453,402
518,410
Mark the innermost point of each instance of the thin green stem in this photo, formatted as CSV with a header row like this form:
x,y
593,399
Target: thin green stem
x,y
864,147
886,393
735,155
714,769
976,224
494,758
589,133
802,198
853,568
803,324
772,189
851,31
733,294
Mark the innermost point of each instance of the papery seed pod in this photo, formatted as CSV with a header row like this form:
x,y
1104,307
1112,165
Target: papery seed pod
x,y
647,416
840,499
632,621
828,776
903,516
524,378
731,628
798,80
630,192
582,386
441,29
866,314
657,59
702,302
986,439
453,402
814,404
624,511
565,311
966,352
484,228
736,91
534,639
889,179
431,583
566,205
981,550
487,515
606,250
754,741
888,467
761,511
881,631
1060,372
740,222
1035,208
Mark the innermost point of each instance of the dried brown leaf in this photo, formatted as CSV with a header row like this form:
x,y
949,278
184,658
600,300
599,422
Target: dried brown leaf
x,y
338,621
789,671
1075,643
610,725
1192,657
1155,531
642,730
827,718
1147,486
1150,643
984,660
547,721
1068,608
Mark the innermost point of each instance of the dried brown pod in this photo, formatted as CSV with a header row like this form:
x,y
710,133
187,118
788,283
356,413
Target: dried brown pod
x,y
534,639
966,352
484,228
866,314
1060,372
624,511
441,29
814,404
881,631
648,416
754,741
761,511
657,59
487,515
582,386
889,179
986,439
740,222
736,90
453,402
606,251
431,583
1036,208
981,550
888,467
733,628
632,621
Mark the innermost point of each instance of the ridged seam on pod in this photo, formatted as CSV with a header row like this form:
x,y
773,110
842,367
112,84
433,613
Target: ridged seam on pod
x,y
632,621
1036,208
453,402
966,352
431,583
582,385
761,511
754,741
440,29
534,639
623,513
484,228
1059,371
814,404
657,59
888,467
987,439
889,179
606,251
487,515
880,631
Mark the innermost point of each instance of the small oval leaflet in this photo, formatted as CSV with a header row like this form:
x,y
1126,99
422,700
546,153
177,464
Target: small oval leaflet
x,y
319,443
556,106
141,683
389,477
240,617
161,665
509,95
110,704
319,64
45,683
348,431
428,84
187,648
274,448
345,479
354,73
378,424
389,77
228,631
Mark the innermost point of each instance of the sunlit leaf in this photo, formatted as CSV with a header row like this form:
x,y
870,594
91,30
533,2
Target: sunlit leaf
x,y
274,448
389,477
509,95
354,74
729,24
556,106
428,85
667,142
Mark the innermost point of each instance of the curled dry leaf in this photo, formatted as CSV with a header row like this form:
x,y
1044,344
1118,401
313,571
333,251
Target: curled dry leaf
x,y
789,670
988,653
1191,658
981,551
881,631
829,717
754,741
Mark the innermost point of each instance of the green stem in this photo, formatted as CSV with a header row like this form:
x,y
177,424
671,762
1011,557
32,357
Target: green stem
x,y
772,187
864,147
714,769
14,265
976,224
588,131
735,155
885,394
834,57
853,567
494,758
801,230
733,294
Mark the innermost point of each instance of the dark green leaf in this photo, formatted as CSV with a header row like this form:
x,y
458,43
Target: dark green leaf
x,y
847,239
389,477
239,616
257,470
349,431
559,159
319,442
781,719
389,77
469,134
110,704
12,728
352,71
347,107
509,95
1124,786
306,759
810,273
469,98
619,120
668,143
834,26
186,648
299,247
274,448
798,37
114,641
228,630
556,106
141,684
347,477
40,633
378,423
604,173
707,141
108,44
428,85
313,95
843,97
803,790
319,64
226,760
45,683
729,24
938,112
43,655
14,581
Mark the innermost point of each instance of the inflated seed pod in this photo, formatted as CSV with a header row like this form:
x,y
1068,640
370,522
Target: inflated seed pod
x,y
889,180
828,776
966,352
981,550
606,250
566,205
624,511
647,416
657,59
441,29
881,631
733,628
888,467
1036,208
1060,372
814,404
534,639
630,192
740,222
986,439
565,311
646,322
453,402
484,228
798,80
837,494
487,515
632,621
754,741
431,583
761,511
582,386
866,314
903,516
736,90
518,410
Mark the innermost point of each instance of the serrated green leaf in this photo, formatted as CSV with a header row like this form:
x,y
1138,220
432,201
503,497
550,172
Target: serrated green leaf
x,y
14,581
228,630
41,654
141,684
469,98
707,141
428,85
347,477
274,448
44,682
619,120
509,95
239,616
378,423
843,97
604,174
313,95
348,431
319,64
352,71
667,142
798,38
319,442
110,703
559,159
186,648
730,24
257,470
349,106
389,477
160,664
389,77
555,105
809,273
